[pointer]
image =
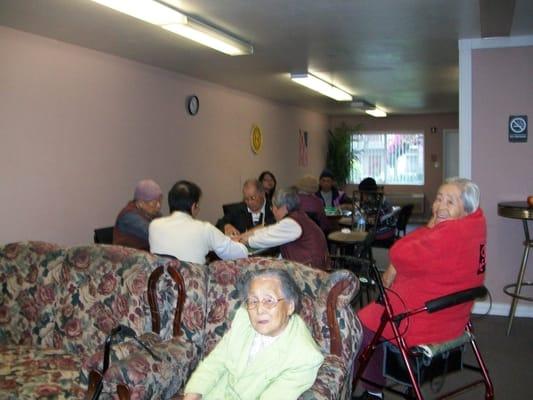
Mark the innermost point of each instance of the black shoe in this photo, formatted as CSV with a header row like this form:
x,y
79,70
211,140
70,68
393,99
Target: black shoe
x,y
367,396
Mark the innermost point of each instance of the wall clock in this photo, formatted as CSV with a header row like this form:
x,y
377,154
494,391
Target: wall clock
x,y
256,139
193,105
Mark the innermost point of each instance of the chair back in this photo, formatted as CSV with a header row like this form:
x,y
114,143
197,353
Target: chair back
x,y
228,208
403,219
71,297
313,216
103,235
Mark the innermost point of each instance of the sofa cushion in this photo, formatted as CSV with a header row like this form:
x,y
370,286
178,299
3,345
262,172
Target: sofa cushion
x,y
28,372
58,304
134,367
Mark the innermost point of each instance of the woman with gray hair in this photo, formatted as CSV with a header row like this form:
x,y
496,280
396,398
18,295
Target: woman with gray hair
x,y
445,256
268,353
299,237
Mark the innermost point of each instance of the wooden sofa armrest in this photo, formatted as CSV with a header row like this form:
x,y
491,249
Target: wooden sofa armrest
x,y
176,276
152,298
336,341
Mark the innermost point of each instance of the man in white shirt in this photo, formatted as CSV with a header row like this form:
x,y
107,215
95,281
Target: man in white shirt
x,y
182,236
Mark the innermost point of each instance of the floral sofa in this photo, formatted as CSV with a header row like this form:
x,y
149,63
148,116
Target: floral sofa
x,y
212,299
58,304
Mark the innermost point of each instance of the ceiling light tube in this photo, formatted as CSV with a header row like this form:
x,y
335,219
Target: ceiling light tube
x,y
376,112
156,13
320,86
210,37
147,10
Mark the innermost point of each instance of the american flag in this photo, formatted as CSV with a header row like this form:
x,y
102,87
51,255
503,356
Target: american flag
x,y
303,143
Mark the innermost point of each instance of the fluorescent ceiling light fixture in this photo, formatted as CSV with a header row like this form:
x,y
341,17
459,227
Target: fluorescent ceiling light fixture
x,y
174,21
376,112
362,104
210,37
320,86
147,10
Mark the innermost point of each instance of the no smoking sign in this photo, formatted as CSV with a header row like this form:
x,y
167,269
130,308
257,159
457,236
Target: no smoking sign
x,y
518,128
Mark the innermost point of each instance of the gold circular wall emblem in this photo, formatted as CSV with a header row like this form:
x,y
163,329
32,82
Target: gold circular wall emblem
x,y
256,139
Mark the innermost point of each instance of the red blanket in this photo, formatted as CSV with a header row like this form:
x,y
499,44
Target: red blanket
x,y
431,263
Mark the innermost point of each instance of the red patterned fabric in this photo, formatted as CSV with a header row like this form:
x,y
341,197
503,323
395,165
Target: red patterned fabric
x,y
431,263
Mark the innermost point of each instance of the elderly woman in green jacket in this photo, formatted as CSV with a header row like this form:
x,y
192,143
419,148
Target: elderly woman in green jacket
x,y
267,354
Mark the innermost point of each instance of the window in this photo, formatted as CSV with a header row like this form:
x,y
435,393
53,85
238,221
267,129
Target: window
x,y
390,158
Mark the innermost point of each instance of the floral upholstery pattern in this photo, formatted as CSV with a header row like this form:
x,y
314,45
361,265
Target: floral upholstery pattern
x,y
46,373
212,299
57,305
146,377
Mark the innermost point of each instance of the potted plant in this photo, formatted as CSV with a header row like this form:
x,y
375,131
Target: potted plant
x,y
340,157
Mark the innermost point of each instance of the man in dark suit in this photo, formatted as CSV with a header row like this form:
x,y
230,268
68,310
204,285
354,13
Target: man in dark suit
x,y
253,211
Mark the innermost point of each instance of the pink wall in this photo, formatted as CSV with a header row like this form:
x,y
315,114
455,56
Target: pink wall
x,y
79,128
502,85
433,143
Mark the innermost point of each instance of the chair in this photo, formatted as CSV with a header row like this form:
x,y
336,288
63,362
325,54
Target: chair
x,y
103,235
314,217
403,219
413,366
358,262
231,207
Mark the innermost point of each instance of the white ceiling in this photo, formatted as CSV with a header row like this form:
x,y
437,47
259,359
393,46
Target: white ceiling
x,y
399,54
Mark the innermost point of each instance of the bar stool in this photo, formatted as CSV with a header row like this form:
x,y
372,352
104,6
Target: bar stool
x,y
518,210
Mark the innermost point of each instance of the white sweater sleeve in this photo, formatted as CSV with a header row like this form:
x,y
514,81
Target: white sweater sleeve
x,y
285,231
223,246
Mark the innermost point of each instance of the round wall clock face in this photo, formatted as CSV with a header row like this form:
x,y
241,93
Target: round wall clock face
x,y
193,105
256,139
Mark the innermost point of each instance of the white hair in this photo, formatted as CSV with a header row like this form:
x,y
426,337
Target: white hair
x,y
469,193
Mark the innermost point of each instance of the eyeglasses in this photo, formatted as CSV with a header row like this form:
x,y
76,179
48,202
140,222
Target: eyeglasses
x,y
251,198
267,302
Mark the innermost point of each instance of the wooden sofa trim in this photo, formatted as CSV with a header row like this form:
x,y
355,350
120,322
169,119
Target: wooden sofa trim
x,y
331,308
152,298
94,378
178,279
123,392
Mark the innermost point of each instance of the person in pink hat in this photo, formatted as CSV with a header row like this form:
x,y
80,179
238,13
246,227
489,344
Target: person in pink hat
x,y
131,226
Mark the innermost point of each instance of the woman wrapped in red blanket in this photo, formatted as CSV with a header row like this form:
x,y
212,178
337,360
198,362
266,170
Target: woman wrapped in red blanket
x,y
446,256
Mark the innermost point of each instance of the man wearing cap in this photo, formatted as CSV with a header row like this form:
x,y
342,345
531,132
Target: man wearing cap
x,y
310,203
131,226
385,228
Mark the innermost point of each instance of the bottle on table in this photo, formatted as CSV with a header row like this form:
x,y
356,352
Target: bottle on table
x,y
361,223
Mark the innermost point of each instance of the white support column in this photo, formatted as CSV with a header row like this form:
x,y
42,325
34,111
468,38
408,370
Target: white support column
x,y
465,108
